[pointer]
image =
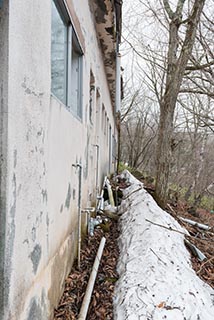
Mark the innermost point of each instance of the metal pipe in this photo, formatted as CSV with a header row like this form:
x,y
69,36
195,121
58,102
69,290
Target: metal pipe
x,y
88,211
79,166
90,286
100,204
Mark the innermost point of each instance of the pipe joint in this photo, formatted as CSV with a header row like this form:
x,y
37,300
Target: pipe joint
x,y
94,222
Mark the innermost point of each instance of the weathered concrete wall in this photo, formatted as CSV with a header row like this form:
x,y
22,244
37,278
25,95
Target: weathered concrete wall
x,y
44,140
3,149
28,101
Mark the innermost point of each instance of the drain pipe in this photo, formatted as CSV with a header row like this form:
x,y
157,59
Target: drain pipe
x,y
90,286
100,204
79,166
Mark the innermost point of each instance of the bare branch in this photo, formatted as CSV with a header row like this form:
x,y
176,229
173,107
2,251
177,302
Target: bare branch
x,y
179,8
168,9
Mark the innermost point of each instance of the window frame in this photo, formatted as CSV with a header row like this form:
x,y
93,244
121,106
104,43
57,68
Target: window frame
x,y
72,42
65,20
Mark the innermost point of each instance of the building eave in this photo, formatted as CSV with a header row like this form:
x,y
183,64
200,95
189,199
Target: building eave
x,y
107,15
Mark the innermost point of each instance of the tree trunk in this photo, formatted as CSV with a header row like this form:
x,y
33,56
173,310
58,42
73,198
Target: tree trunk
x,y
164,153
176,65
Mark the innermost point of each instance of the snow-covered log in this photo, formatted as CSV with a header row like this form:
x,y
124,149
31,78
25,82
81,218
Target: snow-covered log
x,y
156,279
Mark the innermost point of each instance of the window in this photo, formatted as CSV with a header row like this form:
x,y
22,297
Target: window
x,y
75,78
59,50
66,60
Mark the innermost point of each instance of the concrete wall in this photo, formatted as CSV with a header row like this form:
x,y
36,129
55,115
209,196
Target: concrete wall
x,y
3,149
44,140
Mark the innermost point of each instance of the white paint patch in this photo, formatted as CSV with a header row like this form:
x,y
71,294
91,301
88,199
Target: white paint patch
x,y
156,278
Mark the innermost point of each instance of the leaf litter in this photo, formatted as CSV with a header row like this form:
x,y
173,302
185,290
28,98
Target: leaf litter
x,y
101,306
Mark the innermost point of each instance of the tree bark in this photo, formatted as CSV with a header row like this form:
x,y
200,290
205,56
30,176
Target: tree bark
x,y
175,72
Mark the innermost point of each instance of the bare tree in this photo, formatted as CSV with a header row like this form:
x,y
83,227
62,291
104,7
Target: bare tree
x,y
178,57
172,70
138,126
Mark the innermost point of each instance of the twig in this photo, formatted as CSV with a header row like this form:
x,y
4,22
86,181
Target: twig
x,y
183,233
170,208
132,193
158,257
203,264
168,228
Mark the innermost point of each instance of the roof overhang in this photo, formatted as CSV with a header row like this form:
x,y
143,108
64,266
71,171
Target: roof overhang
x,y
107,15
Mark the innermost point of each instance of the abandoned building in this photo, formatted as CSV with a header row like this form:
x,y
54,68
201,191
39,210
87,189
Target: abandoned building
x,y
59,98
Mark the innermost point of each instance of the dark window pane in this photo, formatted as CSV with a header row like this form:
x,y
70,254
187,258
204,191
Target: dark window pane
x,y
58,55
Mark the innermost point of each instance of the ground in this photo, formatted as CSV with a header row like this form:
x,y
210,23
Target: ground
x,y
101,306
156,276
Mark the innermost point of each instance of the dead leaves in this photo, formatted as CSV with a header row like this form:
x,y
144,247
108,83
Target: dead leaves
x,y
203,240
101,307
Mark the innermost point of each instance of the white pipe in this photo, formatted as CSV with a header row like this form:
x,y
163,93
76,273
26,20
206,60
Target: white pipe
x,y
79,215
110,193
196,224
79,166
90,286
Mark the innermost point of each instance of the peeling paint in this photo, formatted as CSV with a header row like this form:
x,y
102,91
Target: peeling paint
x,y
44,195
33,234
35,312
68,197
35,257
44,168
43,298
47,231
110,30
30,91
101,11
40,132
47,220
15,158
